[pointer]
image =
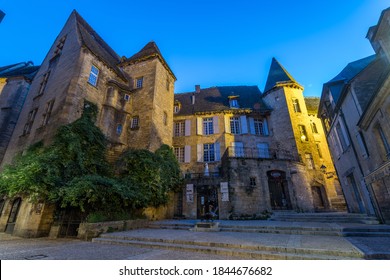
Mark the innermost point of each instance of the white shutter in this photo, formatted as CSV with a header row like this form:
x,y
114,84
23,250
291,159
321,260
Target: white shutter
x,y
227,124
265,127
217,151
187,154
244,125
187,128
252,126
199,150
199,126
215,125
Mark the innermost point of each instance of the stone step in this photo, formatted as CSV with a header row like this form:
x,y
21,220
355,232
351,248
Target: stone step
x,y
326,229
335,217
242,251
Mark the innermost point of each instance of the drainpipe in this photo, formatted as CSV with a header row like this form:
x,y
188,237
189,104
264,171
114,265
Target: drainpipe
x,y
368,186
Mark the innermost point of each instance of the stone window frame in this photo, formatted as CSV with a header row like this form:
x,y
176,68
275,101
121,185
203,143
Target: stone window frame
x,y
43,83
30,121
139,82
208,126
179,153
208,152
119,129
235,125
126,97
93,75
303,133
179,128
252,181
314,128
48,109
296,106
309,161
318,147
259,126
165,118
135,122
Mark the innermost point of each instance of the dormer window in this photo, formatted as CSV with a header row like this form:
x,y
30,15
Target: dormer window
x,y
233,102
176,107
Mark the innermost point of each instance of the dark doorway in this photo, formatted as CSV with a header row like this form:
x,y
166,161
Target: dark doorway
x,y
179,205
356,194
207,202
278,190
318,193
13,215
69,222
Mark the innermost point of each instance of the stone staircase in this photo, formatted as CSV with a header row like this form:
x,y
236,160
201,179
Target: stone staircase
x,y
240,250
325,217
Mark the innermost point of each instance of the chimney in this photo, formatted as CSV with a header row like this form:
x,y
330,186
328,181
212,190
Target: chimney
x,y
197,88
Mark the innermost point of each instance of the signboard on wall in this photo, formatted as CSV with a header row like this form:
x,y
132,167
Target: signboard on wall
x,y
190,192
224,191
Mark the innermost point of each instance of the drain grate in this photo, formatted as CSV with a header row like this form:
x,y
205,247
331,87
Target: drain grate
x,y
35,257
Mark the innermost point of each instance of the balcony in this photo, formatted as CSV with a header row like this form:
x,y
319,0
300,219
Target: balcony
x,y
255,153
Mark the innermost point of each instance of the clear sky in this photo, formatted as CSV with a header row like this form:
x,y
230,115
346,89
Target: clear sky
x,y
206,42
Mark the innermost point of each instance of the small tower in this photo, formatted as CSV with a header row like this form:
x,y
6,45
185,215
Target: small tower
x,y
153,98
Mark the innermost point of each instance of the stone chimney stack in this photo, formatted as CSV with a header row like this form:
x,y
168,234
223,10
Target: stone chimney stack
x,y
197,88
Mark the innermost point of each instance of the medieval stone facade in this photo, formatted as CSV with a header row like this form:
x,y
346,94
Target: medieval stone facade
x,y
355,109
244,152
134,98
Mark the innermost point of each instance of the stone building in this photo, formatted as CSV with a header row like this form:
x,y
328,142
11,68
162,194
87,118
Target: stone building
x,y
15,82
134,97
244,152
355,110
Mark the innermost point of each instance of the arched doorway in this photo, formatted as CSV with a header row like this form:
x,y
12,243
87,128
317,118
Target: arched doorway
x,y
13,215
278,190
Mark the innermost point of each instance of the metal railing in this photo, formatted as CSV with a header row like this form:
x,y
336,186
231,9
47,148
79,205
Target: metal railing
x,y
256,153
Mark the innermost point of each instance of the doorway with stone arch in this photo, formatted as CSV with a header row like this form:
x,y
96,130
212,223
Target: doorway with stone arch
x,y
278,190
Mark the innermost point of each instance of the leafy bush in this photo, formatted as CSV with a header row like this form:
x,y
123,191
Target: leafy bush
x,y
73,172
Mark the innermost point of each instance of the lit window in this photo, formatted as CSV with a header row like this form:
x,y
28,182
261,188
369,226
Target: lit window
x,y
235,125
179,128
179,153
135,122
208,152
208,127
119,129
233,103
297,108
303,134
93,75
30,121
139,82
47,113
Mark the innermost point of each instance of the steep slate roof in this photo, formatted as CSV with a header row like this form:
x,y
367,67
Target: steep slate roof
x,y
26,69
217,99
368,81
312,104
98,46
338,83
278,75
149,51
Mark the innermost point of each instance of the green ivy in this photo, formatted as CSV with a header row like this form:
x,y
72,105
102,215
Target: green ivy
x,y
73,172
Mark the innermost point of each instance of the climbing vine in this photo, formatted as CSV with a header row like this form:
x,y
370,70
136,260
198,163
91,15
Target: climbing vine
x,y
73,172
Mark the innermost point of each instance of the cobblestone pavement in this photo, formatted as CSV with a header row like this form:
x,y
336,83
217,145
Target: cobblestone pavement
x,y
12,248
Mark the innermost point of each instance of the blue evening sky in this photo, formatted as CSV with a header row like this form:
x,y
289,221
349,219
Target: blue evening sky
x,y
206,42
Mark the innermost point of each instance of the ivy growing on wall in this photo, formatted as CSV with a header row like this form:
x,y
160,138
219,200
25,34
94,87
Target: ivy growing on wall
x,y
73,171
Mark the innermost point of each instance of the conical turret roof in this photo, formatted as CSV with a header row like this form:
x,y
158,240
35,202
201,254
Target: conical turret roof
x,y
278,76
